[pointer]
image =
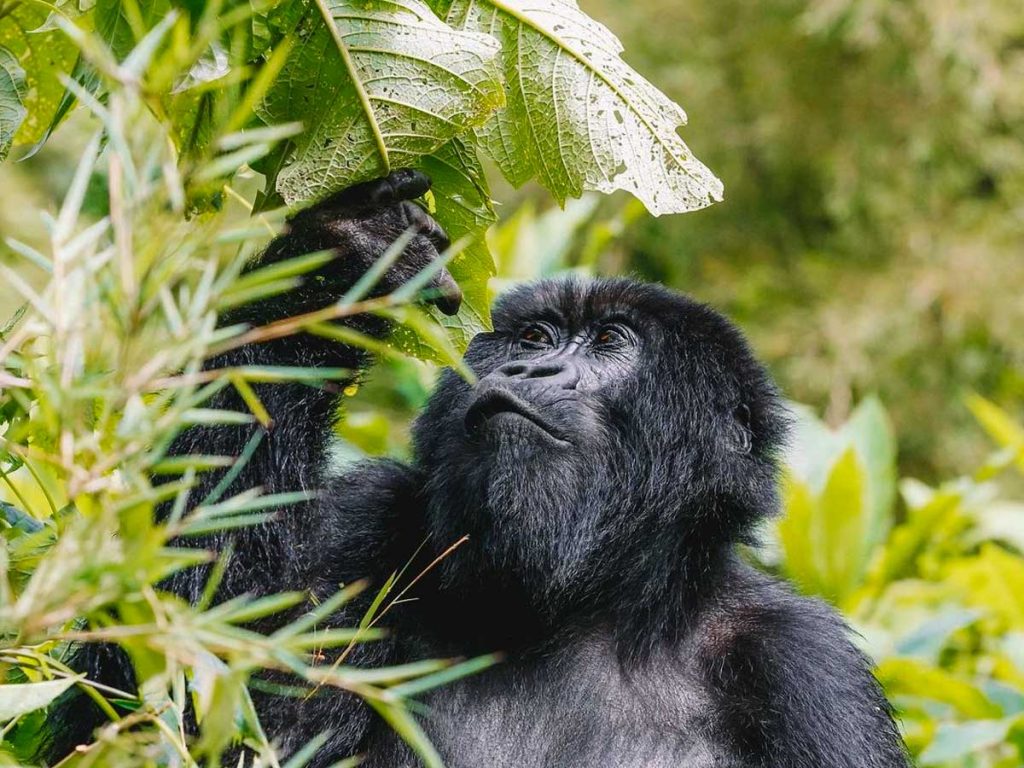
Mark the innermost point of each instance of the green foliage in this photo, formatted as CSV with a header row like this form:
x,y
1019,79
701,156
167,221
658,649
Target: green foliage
x,y
100,368
612,129
935,590
44,53
374,86
12,107
378,86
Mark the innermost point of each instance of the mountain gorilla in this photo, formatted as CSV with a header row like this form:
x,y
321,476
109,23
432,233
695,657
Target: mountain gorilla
x,y
619,442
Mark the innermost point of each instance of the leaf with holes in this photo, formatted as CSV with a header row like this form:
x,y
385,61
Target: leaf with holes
x,y
378,86
12,107
578,117
45,54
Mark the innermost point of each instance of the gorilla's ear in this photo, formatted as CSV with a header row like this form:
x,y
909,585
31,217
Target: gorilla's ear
x,y
742,435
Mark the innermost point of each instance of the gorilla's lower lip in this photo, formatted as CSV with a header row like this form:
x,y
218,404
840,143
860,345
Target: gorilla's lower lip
x,y
496,401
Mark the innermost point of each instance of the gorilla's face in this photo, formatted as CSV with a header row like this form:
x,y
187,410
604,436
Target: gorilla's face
x,y
607,416
551,394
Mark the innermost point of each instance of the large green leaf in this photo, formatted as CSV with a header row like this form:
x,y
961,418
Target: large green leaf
x,y
108,19
841,526
12,92
45,55
378,85
463,208
578,117
870,432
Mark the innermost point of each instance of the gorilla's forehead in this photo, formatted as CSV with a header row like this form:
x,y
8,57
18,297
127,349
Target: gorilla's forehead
x,y
577,301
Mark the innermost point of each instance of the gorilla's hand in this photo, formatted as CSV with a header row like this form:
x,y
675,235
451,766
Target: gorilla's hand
x,y
361,223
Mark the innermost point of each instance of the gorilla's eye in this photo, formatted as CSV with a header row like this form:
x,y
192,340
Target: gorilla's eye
x,y
536,336
610,335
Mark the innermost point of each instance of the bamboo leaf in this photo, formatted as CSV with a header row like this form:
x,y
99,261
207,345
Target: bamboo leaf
x,y
18,700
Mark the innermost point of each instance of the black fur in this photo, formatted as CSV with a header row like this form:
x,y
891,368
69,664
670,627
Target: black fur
x,y
603,479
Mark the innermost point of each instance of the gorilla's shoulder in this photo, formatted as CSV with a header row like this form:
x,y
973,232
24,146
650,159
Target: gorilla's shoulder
x,y
784,667
758,615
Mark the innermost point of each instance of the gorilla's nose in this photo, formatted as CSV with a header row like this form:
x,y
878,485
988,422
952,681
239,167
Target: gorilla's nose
x,y
562,374
449,295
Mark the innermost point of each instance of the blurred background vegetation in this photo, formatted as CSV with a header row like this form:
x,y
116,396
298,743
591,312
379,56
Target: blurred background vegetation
x,y
871,245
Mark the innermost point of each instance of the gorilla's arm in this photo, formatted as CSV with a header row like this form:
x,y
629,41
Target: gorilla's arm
x,y
359,224
354,515
794,691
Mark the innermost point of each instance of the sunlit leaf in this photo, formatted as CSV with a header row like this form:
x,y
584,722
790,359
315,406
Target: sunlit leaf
x,y
909,676
1000,426
44,55
578,117
842,526
463,208
799,549
12,94
871,434
378,85
994,580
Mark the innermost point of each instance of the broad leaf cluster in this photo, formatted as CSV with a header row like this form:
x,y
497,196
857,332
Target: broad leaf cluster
x,y
536,86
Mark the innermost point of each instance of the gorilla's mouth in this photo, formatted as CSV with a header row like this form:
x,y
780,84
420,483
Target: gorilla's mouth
x,y
497,401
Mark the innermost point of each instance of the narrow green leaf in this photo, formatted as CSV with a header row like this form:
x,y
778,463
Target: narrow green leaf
x,y
20,699
322,612
249,502
406,727
445,676
264,606
301,758
203,527
175,465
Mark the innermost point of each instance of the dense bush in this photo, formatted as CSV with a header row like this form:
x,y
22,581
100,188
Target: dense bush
x,y
934,584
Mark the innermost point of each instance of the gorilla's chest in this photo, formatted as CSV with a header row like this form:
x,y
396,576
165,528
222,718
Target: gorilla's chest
x,y
574,709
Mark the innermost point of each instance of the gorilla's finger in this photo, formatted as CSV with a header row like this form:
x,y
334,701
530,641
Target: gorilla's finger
x,y
449,295
403,184
426,226
408,183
